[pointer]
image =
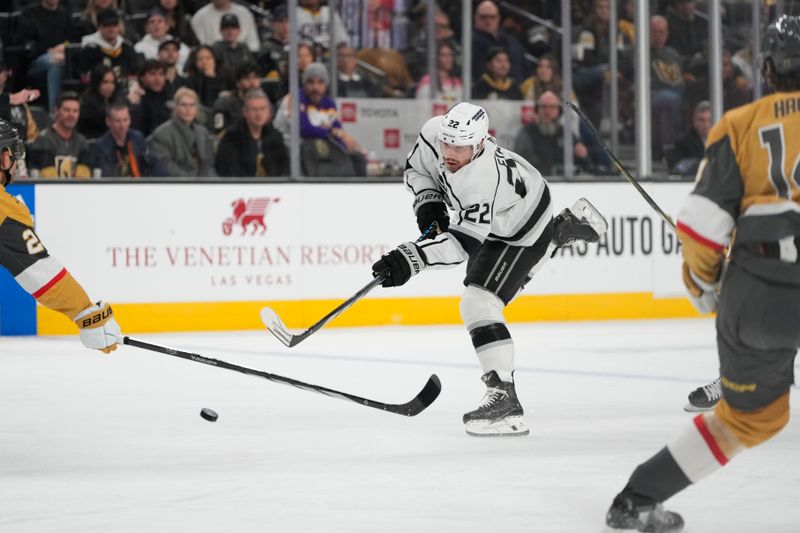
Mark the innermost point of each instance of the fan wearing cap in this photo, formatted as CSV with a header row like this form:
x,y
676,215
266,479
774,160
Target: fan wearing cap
x,y
107,46
319,117
229,50
25,257
206,23
157,33
169,53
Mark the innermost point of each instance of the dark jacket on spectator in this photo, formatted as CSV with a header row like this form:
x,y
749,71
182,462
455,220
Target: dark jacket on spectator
x,y
545,152
44,29
132,160
227,111
487,88
92,122
56,157
208,89
482,42
152,110
684,156
687,37
186,150
123,60
239,154
357,86
232,57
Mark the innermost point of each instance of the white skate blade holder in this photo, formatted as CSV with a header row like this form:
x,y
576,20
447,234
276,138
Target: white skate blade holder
x,y
583,209
689,408
510,426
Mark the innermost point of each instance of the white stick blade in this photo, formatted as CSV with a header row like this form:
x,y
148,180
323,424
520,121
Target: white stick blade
x,y
276,326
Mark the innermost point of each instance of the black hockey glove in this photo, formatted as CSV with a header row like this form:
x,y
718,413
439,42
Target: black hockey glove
x,y
430,207
399,265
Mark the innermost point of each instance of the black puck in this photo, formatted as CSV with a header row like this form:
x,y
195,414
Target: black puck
x,y
209,415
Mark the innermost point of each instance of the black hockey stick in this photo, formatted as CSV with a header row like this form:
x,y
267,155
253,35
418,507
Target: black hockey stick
x,y
276,326
421,401
621,168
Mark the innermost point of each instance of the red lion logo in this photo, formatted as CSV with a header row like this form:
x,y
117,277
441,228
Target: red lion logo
x,y
250,213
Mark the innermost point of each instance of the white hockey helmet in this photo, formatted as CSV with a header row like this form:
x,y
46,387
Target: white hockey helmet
x,y
465,124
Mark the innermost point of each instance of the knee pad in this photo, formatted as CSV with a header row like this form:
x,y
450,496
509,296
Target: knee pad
x,y
480,307
754,427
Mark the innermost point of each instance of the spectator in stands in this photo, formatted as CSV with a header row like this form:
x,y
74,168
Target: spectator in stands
x,y
416,54
157,34
592,53
487,34
542,143
184,146
252,147
207,77
103,90
495,83
688,34
122,152
17,113
666,87
107,46
43,29
206,22
448,84
683,157
60,151
313,23
273,58
547,77
153,102
351,84
169,54
178,21
87,23
736,89
319,118
229,51
228,107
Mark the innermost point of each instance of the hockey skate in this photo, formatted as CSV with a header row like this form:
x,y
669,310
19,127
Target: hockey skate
x,y
581,222
630,512
704,398
499,414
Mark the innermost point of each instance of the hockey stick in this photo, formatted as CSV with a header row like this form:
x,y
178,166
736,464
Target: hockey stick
x,y
621,168
421,401
276,326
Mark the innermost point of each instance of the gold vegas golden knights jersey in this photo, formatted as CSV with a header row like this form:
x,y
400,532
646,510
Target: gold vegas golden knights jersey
x,y
749,180
23,254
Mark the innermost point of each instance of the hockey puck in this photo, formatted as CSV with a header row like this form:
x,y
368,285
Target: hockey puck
x,y
209,415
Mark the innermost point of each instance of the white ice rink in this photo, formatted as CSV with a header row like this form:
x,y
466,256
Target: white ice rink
x,y
115,444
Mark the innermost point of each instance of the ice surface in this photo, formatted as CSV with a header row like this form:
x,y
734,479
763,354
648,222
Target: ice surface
x,y
115,444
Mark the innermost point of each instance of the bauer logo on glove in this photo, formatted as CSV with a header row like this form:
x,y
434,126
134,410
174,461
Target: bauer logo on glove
x,y
97,318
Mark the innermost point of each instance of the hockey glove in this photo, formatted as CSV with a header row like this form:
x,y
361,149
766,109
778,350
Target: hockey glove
x,y
399,265
98,327
702,294
430,208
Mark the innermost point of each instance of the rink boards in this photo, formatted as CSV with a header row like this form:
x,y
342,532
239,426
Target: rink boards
x,y
184,257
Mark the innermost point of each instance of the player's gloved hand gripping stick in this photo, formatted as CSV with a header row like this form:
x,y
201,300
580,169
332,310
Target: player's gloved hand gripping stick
x,y
276,326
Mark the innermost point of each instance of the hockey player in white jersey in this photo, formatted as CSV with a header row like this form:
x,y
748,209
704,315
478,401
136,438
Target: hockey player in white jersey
x,y
502,226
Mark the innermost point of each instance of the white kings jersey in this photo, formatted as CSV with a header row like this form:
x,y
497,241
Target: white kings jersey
x,y
498,196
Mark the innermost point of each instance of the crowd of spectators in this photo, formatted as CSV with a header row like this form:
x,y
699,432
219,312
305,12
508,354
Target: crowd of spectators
x,y
134,88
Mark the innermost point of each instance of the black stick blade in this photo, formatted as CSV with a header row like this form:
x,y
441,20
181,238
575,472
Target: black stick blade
x,y
421,401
